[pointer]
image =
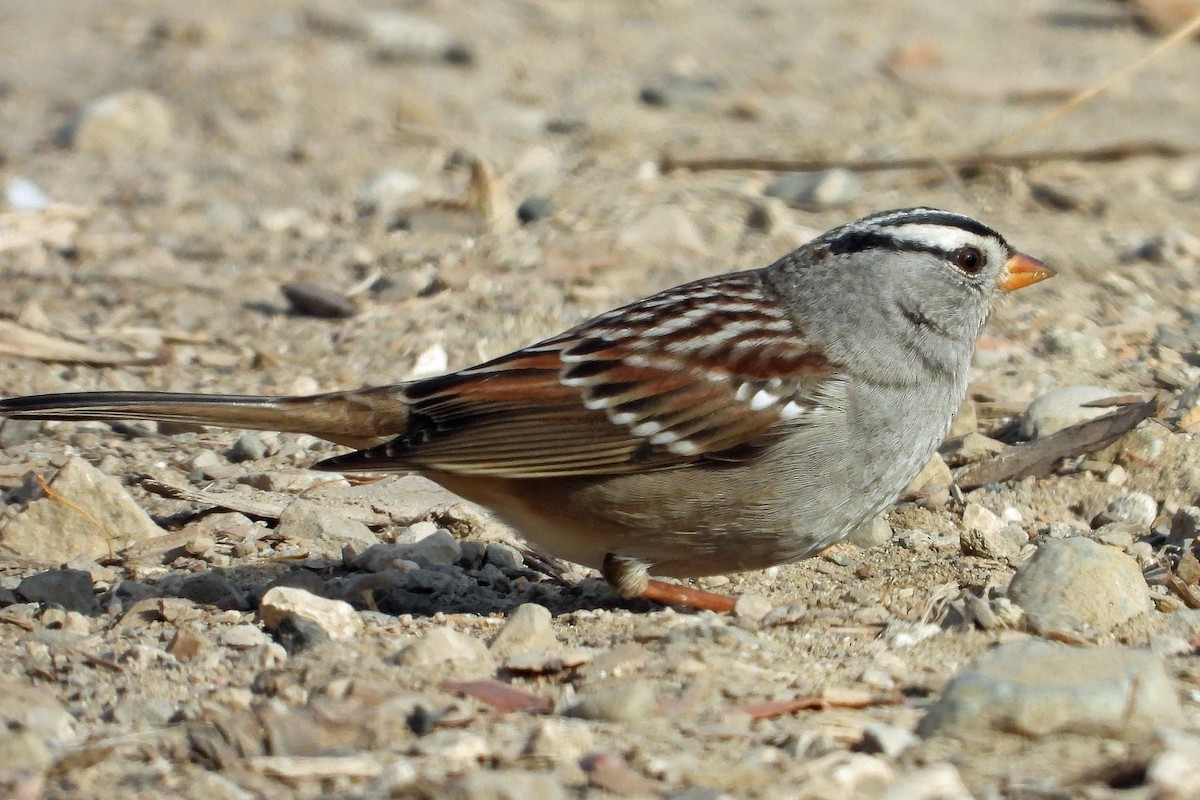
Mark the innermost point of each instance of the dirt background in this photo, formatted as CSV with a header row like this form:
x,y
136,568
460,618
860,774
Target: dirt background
x,y
173,240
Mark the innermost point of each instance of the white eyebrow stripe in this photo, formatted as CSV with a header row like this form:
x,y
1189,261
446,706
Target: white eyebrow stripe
x,y
943,237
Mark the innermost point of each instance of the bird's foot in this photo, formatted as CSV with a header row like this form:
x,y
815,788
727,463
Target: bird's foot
x,y
676,595
629,577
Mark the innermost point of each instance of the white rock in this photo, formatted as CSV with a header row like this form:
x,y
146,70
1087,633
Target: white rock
x,y
387,193
336,618
939,782
97,519
445,645
874,532
527,629
242,637
1062,408
432,361
1135,508
23,194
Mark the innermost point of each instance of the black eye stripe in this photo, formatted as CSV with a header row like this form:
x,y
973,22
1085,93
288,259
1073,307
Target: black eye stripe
x,y
862,240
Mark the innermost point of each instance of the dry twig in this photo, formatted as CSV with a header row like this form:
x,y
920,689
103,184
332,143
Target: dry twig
x,y
1040,456
963,162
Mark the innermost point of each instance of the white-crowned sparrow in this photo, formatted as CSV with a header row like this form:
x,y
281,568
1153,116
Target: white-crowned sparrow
x,y
732,423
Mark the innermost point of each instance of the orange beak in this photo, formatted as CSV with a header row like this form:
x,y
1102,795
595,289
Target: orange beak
x,y
1021,270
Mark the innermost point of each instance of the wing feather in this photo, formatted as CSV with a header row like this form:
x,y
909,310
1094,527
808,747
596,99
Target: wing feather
x,y
709,370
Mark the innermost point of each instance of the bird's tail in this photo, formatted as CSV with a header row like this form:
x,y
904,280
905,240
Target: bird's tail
x,y
360,419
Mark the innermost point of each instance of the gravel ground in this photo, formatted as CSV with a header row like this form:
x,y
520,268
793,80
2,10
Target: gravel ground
x,y
193,613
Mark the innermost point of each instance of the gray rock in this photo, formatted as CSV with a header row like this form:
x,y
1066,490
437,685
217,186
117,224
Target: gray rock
x,y
336,618
212,589
526,630
1184,624
18,431
1062,408
1003,543
1118,534
1185,526
69,588
1076,346
32,707
503,556
1077,585
323,529
440,547
829,188
416,532
1036,688
248,447
242,637
127,123
1135,508
289,481
505,784
875,532
623,702
101,519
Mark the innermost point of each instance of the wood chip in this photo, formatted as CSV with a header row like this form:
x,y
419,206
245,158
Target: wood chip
x,y
842,699
260,505
500,695
21,342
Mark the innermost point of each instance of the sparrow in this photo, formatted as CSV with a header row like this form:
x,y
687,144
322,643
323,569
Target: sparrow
x,y
733,423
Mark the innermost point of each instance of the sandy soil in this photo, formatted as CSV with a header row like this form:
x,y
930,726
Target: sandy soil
x,y
285,126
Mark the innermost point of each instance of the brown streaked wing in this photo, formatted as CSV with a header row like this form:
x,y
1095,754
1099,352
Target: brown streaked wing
x,y
700,371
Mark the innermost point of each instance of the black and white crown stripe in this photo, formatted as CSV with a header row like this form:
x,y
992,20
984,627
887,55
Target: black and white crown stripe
x,y
914,229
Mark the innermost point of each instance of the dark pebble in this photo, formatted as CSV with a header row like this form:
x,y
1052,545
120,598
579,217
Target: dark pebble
x,y
313,300
533,209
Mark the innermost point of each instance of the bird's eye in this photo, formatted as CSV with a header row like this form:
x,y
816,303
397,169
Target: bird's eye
x,y
968,259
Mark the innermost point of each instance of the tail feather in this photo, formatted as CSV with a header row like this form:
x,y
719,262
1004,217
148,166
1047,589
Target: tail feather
x,y
359,419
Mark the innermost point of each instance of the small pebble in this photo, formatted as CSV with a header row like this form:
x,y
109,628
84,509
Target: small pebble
x,y
128,123
830,188
248,447
879,737
624,702
1136,508
527,629
752,607
242,637
314,300
532,209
